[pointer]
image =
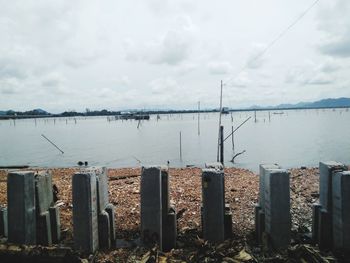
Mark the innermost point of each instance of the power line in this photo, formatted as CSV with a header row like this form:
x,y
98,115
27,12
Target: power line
x,y
278,37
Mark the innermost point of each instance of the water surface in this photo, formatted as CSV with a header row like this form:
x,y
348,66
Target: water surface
x,y
292,139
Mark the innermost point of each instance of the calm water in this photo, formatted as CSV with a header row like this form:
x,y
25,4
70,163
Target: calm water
x,y
292,139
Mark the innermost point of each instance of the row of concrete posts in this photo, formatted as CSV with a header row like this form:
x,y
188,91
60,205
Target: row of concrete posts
x,y
32,217
331,216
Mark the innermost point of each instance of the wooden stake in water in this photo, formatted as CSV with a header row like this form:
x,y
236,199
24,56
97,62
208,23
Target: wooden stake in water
x,y
180,148
254,116
233,140
222,144
52,143
199,109
218,152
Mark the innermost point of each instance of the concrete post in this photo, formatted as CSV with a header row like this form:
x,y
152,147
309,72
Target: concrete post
x,y
106,223
85,225
326,172
260,207
263,168
44,200
151,205
3,222
21,208
324,230
158,218
341,211
277,208
213,198
315,222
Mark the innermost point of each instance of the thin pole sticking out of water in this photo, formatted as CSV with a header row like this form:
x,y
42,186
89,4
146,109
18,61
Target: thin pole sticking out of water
x,y
254,116
239,126
199,109
52,143
217,156
222,144
269,116
233,140
180,147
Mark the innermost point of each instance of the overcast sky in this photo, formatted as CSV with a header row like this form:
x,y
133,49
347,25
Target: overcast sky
x,y
72,55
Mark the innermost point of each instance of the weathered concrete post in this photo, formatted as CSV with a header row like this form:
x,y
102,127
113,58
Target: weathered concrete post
x,y
341,211
106,221
151,205
47,212
213,198
44,199
21,208
322,221
260,207
158,219
85,224
169,223
3,222
277,208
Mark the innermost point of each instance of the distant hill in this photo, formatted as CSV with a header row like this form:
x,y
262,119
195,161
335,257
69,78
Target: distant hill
x,y
325,103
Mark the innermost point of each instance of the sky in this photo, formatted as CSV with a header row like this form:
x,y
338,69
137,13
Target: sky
x,y
160,54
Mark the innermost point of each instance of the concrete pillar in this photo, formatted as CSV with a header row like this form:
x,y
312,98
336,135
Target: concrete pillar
x,y
21,208
110,210
341,211
169,230
260,207
315,222
213,198
228,222
324,231
151,205
326,172
3,222
169,226
55,222
263,168
158,218
85,224
277,208
43,229
43,190
106,223
44,200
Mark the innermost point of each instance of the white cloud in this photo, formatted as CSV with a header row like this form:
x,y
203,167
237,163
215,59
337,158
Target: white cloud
x,y
222,67
257,57
334,21
174,47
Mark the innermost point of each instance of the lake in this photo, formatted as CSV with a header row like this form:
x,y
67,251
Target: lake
x,y
292,139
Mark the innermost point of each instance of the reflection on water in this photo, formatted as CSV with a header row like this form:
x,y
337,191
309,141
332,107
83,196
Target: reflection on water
x,y
292,139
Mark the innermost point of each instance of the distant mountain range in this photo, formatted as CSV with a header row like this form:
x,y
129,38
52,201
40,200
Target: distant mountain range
x,y
325,103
